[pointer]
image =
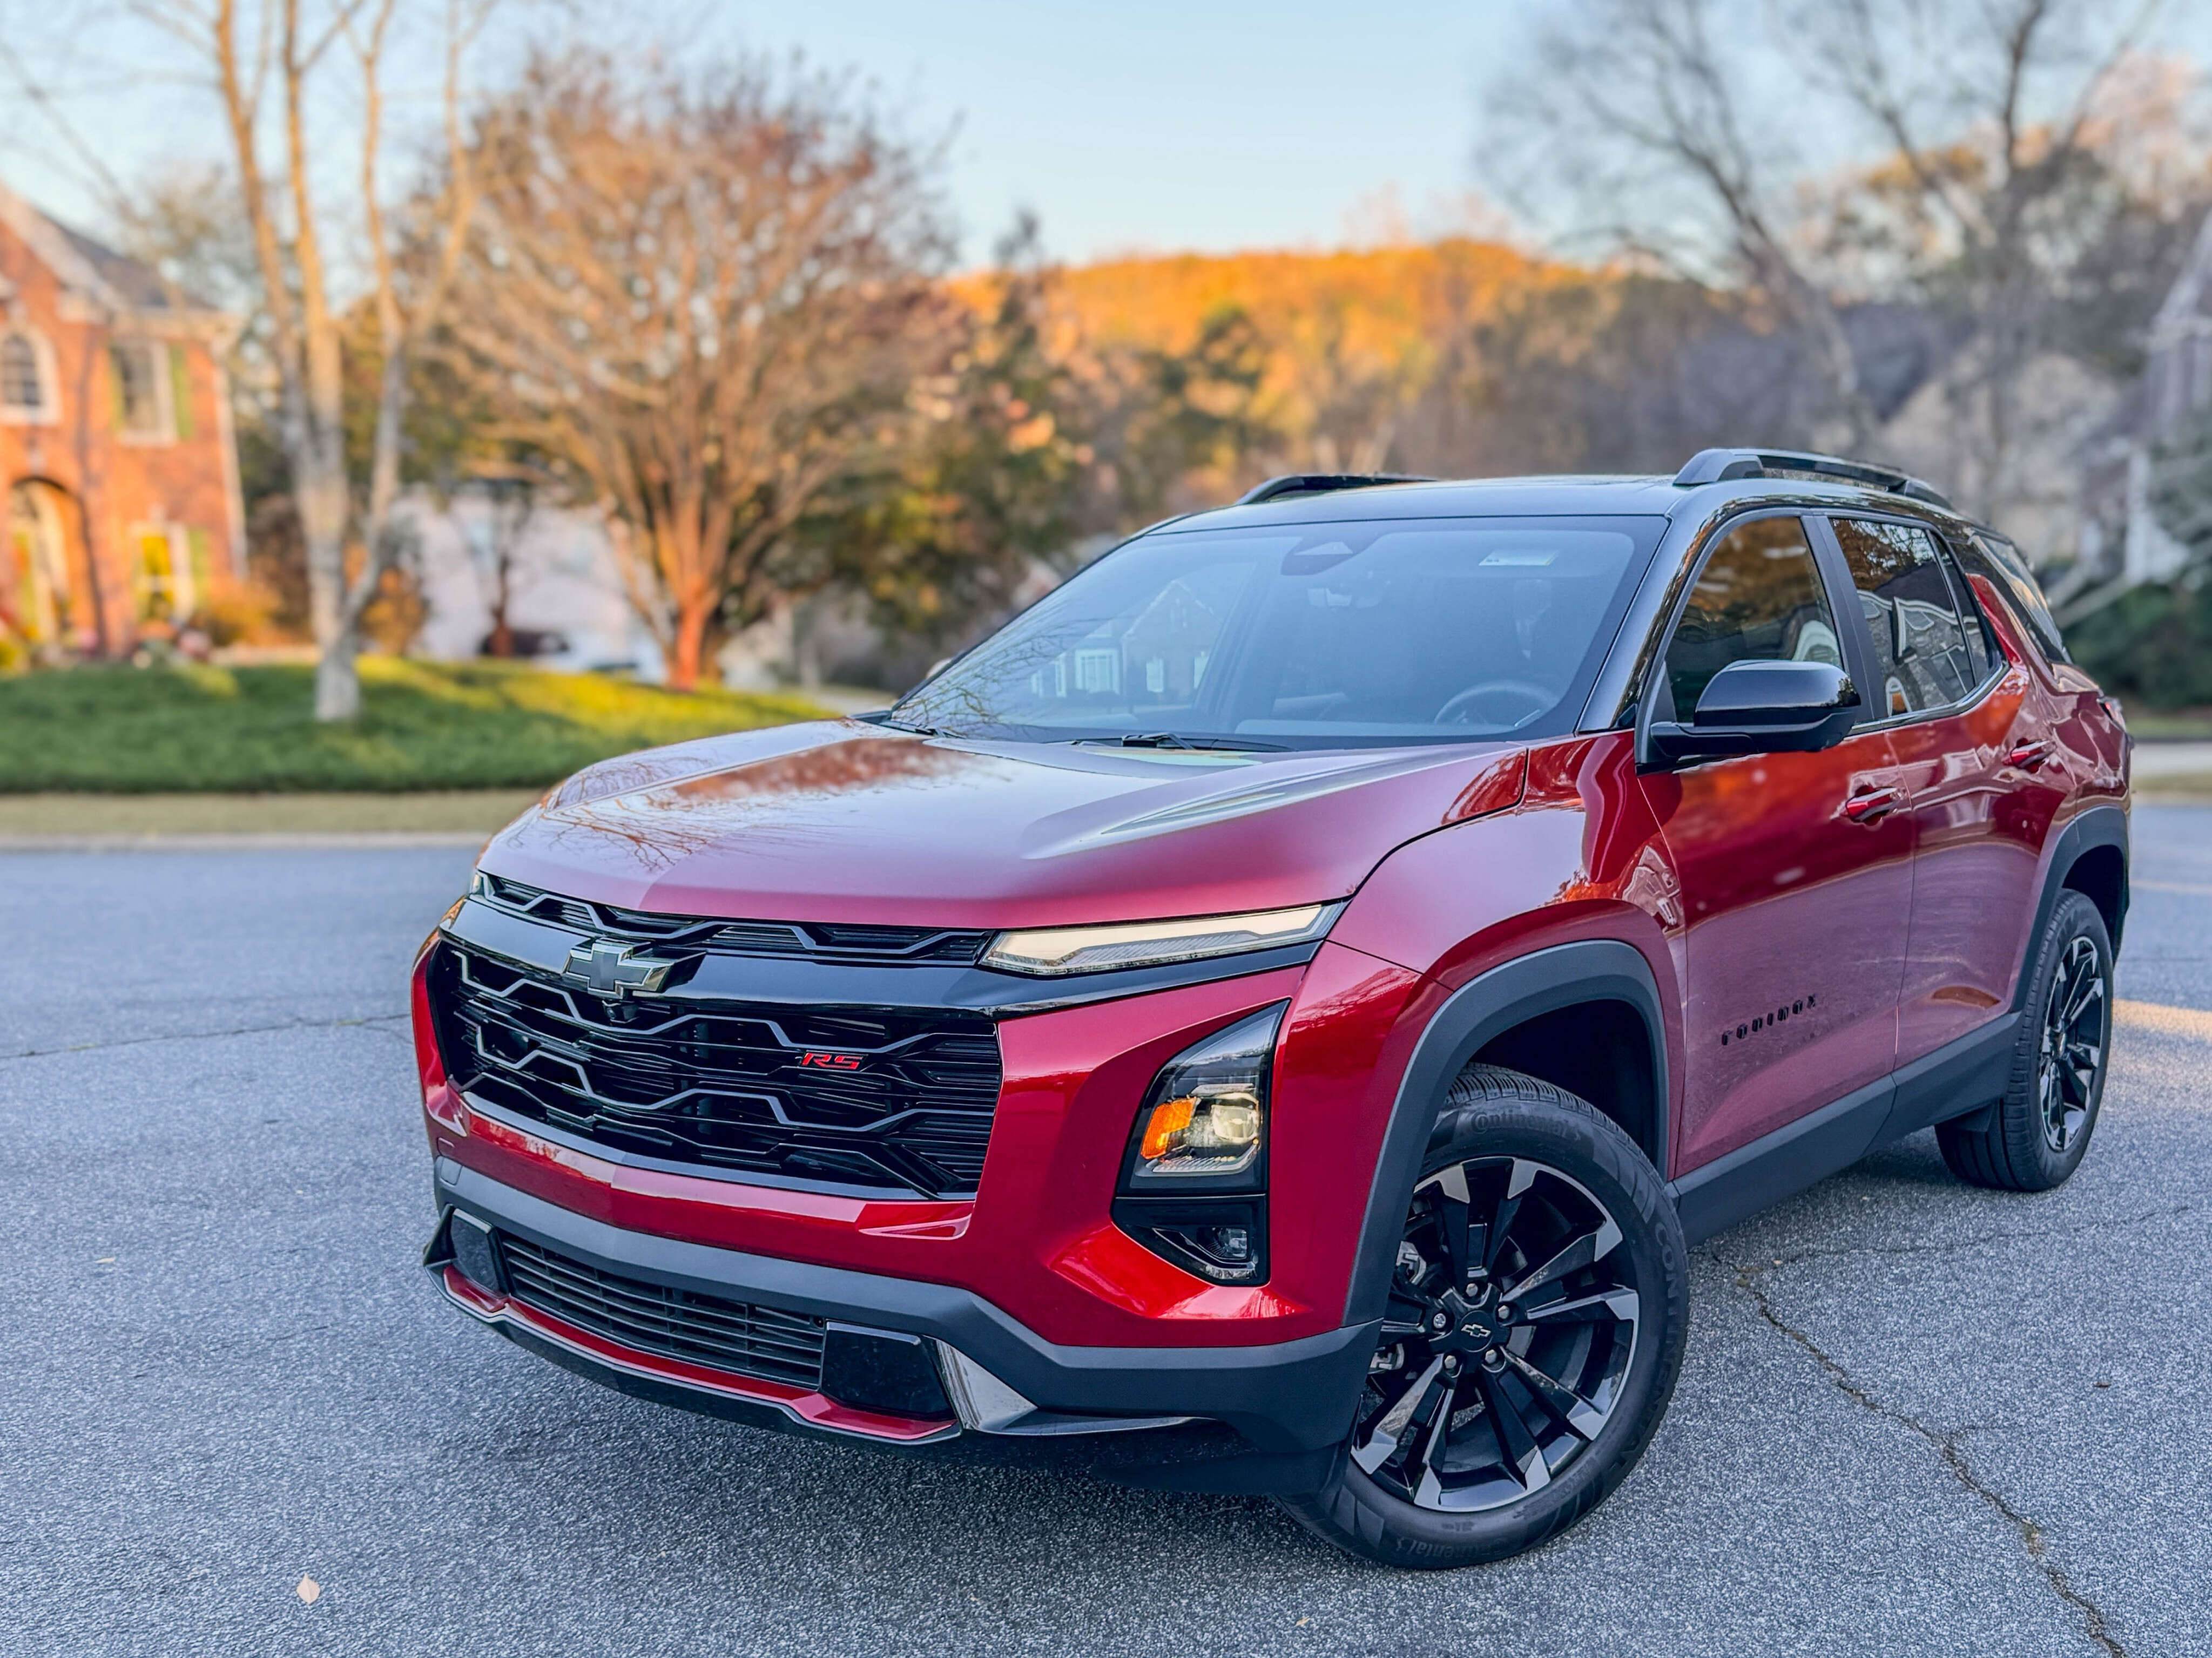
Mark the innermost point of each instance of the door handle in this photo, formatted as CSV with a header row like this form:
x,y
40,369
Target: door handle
x,y
1870,804
2029,753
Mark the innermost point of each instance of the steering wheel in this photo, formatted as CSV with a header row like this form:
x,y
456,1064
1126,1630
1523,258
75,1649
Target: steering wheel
x,y
1456,712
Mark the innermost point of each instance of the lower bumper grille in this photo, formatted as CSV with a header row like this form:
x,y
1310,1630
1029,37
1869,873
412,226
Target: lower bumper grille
x,y
723,1335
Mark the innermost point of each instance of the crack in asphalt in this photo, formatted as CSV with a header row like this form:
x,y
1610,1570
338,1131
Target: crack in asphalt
x,y
1946,1446
373,1021
1981,1240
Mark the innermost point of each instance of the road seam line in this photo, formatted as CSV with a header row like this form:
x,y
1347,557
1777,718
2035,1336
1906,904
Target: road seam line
x,y
2031,1534
2166,1020
370,1020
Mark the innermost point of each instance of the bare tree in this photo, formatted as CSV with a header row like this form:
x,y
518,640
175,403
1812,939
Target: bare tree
x,y
2001,156
2004,126
706,298
271,66
1640,114
508,504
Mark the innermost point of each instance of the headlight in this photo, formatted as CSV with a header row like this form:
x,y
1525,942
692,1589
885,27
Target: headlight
x,y
1204,1123
1193,1182
1047,951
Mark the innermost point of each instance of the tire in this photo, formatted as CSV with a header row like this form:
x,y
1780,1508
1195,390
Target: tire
x,y
2033,1137
1578,1219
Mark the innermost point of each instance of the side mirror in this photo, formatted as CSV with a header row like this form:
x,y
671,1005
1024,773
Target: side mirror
x,y
1759,707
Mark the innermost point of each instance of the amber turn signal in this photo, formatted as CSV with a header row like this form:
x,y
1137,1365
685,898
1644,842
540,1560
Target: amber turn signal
x,y
1169,1121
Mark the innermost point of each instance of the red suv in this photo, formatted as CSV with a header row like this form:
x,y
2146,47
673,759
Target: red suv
x,y
1271,1018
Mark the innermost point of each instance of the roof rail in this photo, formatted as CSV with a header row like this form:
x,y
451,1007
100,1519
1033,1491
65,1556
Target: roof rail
x,y
1293,484
1720,465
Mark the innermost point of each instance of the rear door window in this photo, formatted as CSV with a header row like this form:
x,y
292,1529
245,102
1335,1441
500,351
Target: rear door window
x,y
1758,600
2004,564
1921,659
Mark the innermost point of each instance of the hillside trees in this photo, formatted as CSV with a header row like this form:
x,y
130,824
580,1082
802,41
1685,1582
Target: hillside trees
x,y
947,527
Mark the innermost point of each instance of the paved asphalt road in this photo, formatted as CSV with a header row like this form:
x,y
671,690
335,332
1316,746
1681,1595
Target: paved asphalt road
x,y
1916,1418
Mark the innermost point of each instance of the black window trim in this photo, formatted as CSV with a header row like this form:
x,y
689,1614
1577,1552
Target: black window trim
x,y
1862,641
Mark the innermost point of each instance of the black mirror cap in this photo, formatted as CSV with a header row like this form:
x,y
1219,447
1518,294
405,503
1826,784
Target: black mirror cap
x,y
1668,745
1777,694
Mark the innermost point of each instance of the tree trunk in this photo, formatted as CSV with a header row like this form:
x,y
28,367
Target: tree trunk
x,y
807,643
684,663
321,497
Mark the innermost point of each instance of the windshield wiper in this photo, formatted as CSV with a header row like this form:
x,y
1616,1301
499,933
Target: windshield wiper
x,y
900,725
1171,740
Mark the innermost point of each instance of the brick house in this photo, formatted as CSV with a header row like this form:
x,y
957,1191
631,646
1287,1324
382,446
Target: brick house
x,y
116,455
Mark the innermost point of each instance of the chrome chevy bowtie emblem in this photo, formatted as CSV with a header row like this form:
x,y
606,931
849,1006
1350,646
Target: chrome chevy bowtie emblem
x,y
612,971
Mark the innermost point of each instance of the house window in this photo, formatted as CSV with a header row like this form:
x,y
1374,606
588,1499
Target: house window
x,y
1098,671
164,578
27,380
141,392
33,570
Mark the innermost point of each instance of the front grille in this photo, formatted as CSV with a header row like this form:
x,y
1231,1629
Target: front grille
x,y
890,1100
876,947
723,1335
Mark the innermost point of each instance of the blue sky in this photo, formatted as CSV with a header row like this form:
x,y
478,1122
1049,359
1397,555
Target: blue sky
x,y
1146,125
1149,125
1143,126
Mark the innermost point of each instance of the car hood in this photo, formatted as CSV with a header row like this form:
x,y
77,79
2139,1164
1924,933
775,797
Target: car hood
x,y
844,821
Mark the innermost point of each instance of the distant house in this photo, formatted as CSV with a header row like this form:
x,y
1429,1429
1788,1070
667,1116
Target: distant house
x,y
552,568
2123,543
116,458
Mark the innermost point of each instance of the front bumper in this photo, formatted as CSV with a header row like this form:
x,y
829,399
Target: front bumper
x,y
1267,1416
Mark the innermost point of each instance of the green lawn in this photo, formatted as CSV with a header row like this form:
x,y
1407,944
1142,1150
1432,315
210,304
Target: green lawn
x,y
468,725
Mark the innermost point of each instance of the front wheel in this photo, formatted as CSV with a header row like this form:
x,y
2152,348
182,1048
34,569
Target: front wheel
x,y
1535,1326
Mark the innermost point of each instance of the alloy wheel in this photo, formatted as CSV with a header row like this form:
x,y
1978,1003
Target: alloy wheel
x,y
1512,1323
2073,1044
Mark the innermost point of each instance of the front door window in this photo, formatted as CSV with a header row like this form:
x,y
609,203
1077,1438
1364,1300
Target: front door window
x,y
1758,599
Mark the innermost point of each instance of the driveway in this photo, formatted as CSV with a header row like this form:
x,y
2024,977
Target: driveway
x,y
1915,1418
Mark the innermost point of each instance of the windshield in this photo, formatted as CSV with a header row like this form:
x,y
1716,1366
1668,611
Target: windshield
x,y
1310,636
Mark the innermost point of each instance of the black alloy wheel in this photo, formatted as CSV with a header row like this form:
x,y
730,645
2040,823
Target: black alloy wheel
x,y
2033,1137
1512,1323
1537,1308
2072,1060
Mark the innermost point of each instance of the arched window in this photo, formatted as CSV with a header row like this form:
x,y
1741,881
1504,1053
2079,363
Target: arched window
x,y
26,379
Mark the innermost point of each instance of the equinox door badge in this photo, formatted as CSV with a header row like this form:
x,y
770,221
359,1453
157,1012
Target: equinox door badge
x,y
1795,1010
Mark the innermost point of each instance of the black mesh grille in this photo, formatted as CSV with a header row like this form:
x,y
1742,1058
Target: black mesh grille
x,y
874,1097
876,945
723,1335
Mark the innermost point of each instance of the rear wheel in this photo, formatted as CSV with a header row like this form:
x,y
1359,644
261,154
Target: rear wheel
x,y
1537,1315
2033,1138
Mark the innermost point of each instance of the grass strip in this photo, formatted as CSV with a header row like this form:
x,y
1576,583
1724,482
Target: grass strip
x,y
424,725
